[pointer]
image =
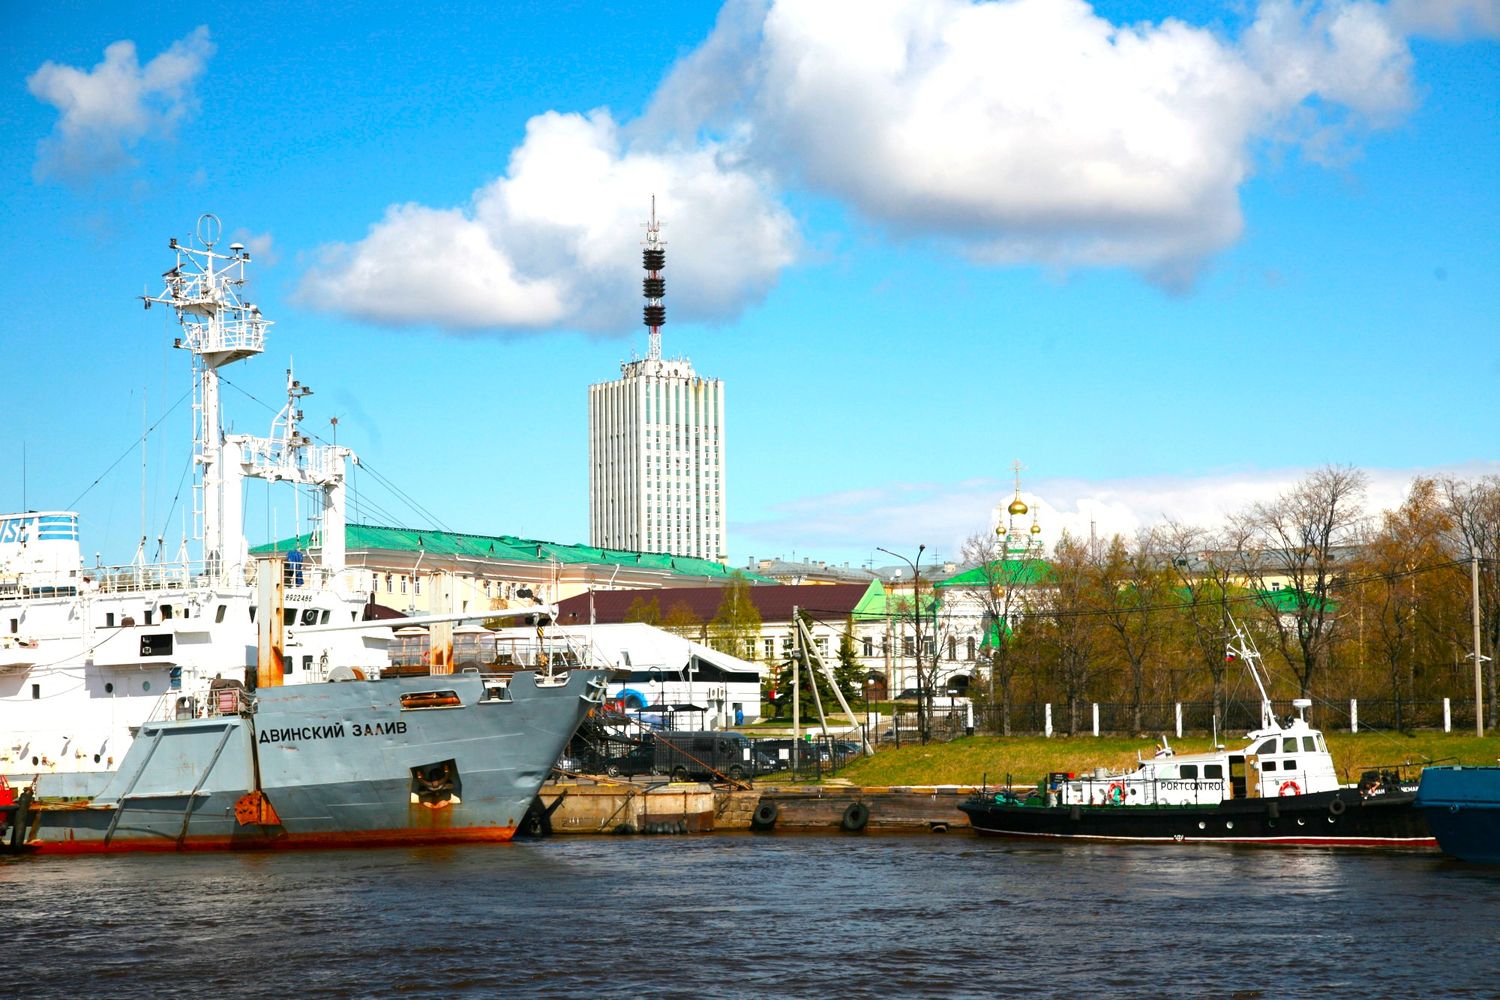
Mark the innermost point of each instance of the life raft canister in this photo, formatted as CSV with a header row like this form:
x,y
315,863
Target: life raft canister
x,y
1296,789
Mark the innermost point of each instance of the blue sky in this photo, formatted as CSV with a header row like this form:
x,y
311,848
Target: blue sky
x,y
1168,264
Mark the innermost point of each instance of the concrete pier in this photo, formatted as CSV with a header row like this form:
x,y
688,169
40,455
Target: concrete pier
x,y
693,807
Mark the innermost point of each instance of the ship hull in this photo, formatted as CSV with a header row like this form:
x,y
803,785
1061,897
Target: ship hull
x,y
421,760
1329,819
1462,807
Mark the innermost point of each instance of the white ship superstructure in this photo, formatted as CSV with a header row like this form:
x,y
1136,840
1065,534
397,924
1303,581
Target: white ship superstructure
x,y
90,653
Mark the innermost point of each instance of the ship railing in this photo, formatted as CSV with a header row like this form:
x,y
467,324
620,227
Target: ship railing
x,y
143,576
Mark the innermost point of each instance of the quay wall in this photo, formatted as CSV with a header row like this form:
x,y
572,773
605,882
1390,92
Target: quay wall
x,y
693,807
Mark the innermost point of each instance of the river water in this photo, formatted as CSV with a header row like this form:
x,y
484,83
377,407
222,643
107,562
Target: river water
x,y
753,916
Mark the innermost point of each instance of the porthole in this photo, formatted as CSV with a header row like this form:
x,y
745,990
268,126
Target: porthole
x,y
96,758
145,685
1229,824
33,762
1301,821
109,687
1202,825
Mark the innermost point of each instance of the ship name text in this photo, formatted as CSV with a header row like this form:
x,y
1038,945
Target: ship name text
x,y
332,731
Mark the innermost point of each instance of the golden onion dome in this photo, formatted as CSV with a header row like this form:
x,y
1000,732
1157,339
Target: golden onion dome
x,y
1018,507
1036,529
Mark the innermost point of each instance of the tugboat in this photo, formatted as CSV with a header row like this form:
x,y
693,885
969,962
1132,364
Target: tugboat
x,y
1462,806
1280,788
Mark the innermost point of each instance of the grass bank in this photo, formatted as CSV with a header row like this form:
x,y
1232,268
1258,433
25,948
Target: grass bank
x,y
1027,759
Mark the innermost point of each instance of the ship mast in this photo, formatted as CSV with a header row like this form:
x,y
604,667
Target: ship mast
x,y
219,328
1243,647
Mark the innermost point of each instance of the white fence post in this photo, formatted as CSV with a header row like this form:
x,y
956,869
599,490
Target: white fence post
x,y
1048,729
1353,715
1096,718
1447,716
1179,720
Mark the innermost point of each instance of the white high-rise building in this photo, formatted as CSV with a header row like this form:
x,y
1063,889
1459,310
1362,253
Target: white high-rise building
x,y
656,445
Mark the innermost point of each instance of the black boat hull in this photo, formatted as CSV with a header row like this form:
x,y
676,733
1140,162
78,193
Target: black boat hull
x,y
1343,818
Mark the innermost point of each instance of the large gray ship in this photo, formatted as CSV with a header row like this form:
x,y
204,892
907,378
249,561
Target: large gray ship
x,y
437,759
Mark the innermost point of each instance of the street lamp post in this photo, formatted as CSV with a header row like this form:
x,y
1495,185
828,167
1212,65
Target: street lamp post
x,y
916,597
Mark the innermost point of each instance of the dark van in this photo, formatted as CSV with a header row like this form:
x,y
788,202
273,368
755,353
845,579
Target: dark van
x,y
704,756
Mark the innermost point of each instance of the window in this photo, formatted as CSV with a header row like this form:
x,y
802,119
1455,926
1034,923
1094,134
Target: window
x,y
952,647
908,645
1213,771
307,663
1289,765
1308,745
219,613
868,646
418,584
403,585
1189,771
1289,745
388,583
1269,746
1268,765
970,643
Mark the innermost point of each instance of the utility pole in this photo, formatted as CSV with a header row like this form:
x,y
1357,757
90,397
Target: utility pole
x,y
1478,660
923,708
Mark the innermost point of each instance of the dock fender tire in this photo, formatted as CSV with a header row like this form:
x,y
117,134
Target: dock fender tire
x,y
855,817
1337,807
765,815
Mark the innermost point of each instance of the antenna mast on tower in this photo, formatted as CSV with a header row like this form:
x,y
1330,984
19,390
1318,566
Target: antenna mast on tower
x,y
654,259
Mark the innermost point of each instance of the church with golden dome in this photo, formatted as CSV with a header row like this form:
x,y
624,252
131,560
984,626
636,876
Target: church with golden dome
x,y
1017,539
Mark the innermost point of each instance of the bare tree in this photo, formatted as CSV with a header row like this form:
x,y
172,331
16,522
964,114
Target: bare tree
x,y
1073,622
1204,566
1474,508
1134,593
1292,549
1394,569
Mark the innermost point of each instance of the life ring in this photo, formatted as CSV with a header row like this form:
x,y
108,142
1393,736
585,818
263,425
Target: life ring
x,y
1116,794
765,815
1296,789
1337,807
855,817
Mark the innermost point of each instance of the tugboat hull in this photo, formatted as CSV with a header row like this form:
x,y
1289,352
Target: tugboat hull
x,y
1341,818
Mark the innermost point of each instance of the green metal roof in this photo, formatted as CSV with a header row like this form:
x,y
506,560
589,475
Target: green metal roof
x,y
511,548
1015,572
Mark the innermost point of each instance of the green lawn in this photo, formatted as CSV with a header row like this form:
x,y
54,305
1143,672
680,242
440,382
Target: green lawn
x,y
1027,759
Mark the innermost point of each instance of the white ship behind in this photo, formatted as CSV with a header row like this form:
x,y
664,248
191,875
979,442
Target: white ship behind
x,y
88,654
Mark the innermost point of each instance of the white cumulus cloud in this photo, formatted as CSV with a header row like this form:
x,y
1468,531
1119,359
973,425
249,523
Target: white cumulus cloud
x,y
1037,131
106,111
555,241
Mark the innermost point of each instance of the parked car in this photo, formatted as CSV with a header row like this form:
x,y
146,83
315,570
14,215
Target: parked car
x,y
704,756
